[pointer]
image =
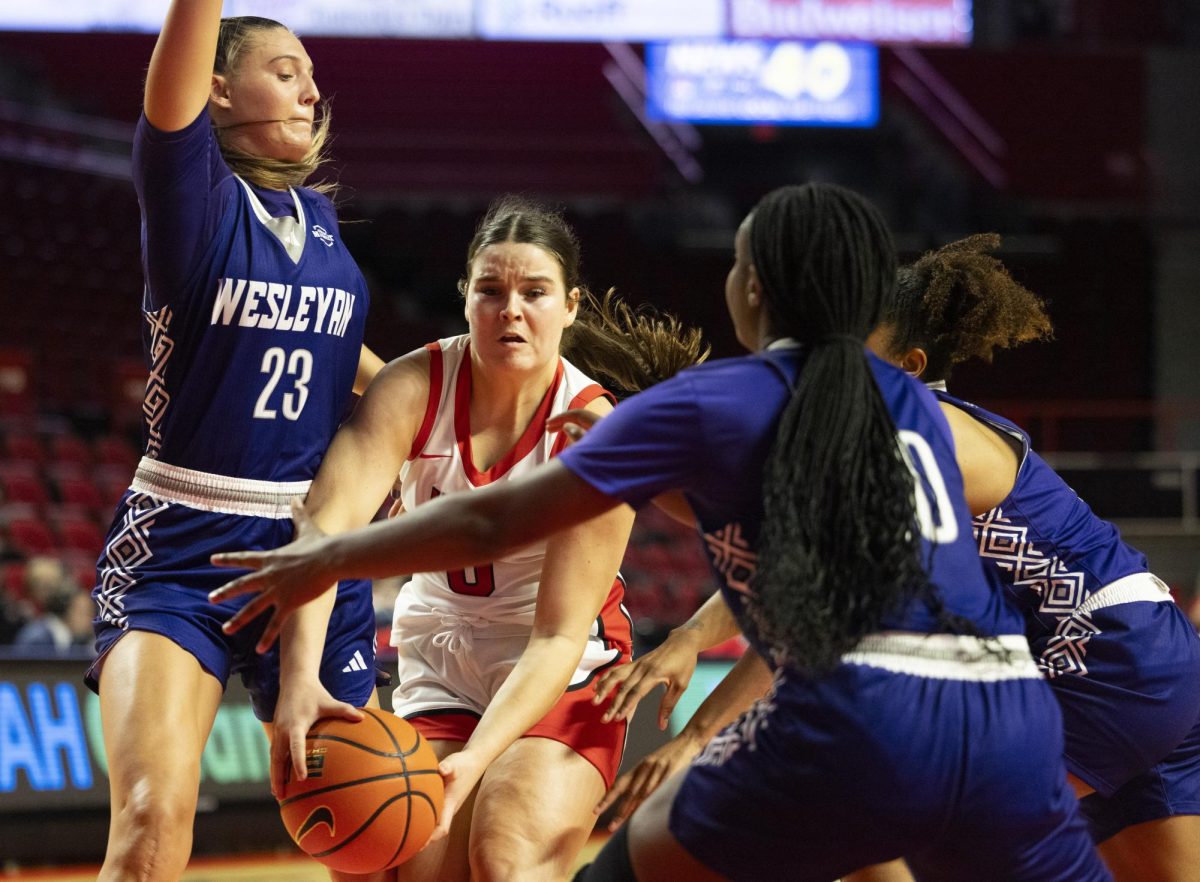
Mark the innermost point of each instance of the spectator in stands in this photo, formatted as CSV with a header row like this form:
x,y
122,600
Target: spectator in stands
x,y
63,626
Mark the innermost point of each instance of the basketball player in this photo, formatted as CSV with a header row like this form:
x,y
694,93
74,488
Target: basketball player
x,y
903,685
497,660
1122,659
253,318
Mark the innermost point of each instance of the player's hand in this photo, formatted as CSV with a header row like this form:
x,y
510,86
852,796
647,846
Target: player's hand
x,y
671,664
301,703
460,773
631,789
286,578
573,423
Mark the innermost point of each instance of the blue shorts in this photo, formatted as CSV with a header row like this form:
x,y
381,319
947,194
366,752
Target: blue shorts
x,y
155,575
1130,693
962,778
1170,788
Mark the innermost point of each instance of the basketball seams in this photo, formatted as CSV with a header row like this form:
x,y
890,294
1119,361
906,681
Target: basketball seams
x,y
363,850
398,754
292,800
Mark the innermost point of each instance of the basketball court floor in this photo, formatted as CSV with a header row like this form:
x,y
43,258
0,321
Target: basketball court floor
x,y
248,868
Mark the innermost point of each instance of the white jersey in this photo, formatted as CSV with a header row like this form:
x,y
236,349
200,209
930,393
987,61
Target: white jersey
x,y
505,591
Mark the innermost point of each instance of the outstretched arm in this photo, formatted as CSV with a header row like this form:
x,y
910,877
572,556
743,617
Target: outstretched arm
x,y
454,531
179,79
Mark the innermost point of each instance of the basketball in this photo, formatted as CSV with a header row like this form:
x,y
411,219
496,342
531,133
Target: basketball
x,y
372,797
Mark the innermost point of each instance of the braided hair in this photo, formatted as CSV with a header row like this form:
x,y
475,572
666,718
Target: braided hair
x,y
840,547
958,303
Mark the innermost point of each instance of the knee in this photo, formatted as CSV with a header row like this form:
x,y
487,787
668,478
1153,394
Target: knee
x,y
152,832
506,857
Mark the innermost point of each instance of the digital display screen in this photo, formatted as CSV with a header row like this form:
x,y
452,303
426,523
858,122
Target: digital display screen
x,y
367,18
627,20
52,746
760,81
946,22
937,22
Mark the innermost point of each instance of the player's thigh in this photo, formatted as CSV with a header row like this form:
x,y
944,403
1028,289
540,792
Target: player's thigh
x,y
1162,850
157,706
444,860
653,850
534,809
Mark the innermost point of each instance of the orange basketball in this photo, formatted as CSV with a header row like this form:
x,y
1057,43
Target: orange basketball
x,y
372,797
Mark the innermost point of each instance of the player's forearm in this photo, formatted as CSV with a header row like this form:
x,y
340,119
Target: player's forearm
x,y
709,626
302,640
464,529
536,682
179,78
745,683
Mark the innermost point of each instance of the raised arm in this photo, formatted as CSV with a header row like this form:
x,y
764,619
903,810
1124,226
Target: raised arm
x,y
180,77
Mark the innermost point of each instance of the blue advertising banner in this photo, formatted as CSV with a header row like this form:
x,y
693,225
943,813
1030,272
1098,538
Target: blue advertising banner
x,y
52,747
760,81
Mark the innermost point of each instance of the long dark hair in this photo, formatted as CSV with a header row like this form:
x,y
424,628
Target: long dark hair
x,y
627,349
235,36
958,303
840,546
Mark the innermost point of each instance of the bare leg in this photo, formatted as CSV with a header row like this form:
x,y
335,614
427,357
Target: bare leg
x,y
157,706
446,859
1165,850
533,813
654,852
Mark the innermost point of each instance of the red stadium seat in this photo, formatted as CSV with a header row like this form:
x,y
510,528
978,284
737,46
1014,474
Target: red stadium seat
x,y
18,487
116,451
70,449
30,537
80,490
22,447
81,534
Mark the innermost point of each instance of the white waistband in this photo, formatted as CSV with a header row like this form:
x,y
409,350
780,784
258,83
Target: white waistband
x,y
1137,586
946,656
217,493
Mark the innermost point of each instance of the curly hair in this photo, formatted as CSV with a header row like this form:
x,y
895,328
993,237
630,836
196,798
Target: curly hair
x,y
958,303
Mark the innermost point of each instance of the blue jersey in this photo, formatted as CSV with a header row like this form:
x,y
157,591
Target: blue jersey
x,y
1042,542
708,432
254,314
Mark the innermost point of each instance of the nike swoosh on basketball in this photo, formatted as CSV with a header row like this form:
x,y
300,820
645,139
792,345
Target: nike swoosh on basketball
x,y
320,815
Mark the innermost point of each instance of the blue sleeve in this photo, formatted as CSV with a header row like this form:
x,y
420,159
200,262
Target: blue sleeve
x,y
650,443
176,175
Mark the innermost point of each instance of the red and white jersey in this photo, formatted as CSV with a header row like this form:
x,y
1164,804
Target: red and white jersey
x,y
440,462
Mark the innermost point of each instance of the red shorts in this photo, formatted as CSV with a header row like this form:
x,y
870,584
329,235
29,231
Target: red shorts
x,y
574,720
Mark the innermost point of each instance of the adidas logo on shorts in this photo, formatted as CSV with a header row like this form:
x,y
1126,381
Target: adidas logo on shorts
x,y
356,663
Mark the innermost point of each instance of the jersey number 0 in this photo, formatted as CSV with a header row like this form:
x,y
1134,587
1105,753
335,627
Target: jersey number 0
x,y
473,581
